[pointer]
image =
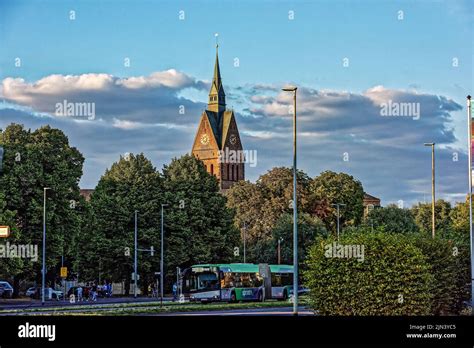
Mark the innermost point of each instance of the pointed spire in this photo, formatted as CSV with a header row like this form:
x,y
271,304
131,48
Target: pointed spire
x,y
217,80
216,94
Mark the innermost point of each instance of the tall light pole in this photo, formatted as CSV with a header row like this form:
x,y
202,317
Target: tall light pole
x,y
279,249
43,272
469,130
135,258
295,210
161,255
432,188
337,205
245,242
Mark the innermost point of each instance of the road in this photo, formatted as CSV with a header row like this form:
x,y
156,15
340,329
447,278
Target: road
x,y
273,311
23,303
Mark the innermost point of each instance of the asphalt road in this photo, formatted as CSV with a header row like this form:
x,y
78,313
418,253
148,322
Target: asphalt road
x,y
23,303
272,311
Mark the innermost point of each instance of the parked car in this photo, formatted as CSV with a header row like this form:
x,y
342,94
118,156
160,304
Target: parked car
x,y
7,289
50,293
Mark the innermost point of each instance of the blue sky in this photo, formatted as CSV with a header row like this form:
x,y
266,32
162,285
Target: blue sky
x,y
412,58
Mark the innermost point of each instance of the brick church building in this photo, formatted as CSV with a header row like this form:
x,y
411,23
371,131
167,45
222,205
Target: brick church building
x,y
218,132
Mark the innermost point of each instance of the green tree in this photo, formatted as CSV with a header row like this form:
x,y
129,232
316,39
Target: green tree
x,y
131,184
423,217
198,226
460,218
392,219
34,160
266,250
339,188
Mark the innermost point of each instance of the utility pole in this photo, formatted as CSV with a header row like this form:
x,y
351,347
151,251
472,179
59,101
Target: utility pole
x,y
161,255
295,208
433,200
43,271
135,262
279,250
245,241
469,122
337,205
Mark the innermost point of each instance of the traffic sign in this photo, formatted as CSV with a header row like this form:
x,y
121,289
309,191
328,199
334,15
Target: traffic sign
x,y
4,231
63,272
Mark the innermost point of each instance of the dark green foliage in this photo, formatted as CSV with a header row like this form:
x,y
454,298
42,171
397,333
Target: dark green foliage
x,y
393,279
392,219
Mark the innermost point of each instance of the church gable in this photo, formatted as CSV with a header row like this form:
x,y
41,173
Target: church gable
x,y
230,133
205,138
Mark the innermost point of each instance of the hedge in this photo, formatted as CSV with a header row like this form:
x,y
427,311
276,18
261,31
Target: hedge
x,y
394,277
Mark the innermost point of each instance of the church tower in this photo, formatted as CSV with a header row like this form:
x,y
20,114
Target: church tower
x,y
217,143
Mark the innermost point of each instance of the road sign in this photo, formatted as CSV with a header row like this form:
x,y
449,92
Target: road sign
x,y
133,276
63,272
4,231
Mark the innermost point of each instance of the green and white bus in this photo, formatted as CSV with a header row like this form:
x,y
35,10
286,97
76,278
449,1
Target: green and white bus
x,y
235,282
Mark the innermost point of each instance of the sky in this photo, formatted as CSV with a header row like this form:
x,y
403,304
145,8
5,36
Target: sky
x,y
146,66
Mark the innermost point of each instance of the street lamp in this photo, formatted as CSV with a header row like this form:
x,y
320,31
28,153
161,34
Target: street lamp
x,y
337,205
295,212
469,150
161,255
135,258
432,187
43,272
279,249
245,242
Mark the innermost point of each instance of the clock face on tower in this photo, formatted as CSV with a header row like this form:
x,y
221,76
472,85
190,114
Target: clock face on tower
x,y
204,139
233,139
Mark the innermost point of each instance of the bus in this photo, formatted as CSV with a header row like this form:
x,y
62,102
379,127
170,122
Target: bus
x,y
235,282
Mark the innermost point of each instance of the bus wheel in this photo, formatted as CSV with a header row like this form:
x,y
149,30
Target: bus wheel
x,y
233,299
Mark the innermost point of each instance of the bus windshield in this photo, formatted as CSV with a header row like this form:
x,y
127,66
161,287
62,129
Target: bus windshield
x,y
203,280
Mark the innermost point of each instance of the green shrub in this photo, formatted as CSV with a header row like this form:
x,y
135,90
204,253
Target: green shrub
x,y
449,256
392,278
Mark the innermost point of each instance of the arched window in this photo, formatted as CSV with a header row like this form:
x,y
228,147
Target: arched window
x,y
230,171
237,176
212,169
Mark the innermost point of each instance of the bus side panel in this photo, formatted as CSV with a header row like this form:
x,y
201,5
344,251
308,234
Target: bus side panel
x,y
225,294
246,294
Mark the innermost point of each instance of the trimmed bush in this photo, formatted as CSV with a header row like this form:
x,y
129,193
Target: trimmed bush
x,y
450,266
389,276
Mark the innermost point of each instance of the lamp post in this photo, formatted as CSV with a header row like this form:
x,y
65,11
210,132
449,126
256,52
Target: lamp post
x,y
43,272
161,255
135,258
432,187
469,130
245,242
295,210
279,249
337,205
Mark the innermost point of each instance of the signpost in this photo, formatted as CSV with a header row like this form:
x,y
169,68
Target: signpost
x,y
4,231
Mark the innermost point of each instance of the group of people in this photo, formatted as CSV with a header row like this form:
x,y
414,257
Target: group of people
x,y
92,290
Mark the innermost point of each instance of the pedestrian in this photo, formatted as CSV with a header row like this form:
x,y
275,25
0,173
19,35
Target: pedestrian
x,y
175,292
94,292
109,289
79,293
